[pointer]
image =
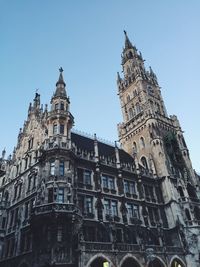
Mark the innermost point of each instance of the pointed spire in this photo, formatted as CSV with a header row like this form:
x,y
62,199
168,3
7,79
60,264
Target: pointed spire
x,y
60,85
3,153
60,79
128,43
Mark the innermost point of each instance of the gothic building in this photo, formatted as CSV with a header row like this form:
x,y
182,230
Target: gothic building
x,y
67,199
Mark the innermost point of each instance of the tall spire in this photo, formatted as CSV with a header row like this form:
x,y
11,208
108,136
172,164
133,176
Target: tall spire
x,y
60,85
128,43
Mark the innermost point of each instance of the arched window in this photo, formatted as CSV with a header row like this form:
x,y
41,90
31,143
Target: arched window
x,y
128,98
130,113
142,143
137,108
134,147
144,163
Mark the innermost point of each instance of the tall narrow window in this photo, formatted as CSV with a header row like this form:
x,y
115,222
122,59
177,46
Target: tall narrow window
x,y
61,168
62,128
60,195
114,208
26,211
142,143
62,106
88,204
50,195
52,167
87,177
144,163
138,108
56,106
107,206
130,113
55,129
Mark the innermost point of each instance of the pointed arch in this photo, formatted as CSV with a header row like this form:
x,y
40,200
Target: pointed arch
x,y
142,142
144,162
176,261
157,262
98,260
130,260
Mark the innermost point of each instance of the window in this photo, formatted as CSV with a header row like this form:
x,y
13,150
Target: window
x,y
50,195
153,215
130,113
62,106
87,177
55,129
132,210
111,207
52,167
88,204
26,211
114,208
149,192
138,108
128,98
19,190
60,195
15,192
56,106
108,182
107,206
134,147
144,163
62,128
62,168
26,163
129,187
142,143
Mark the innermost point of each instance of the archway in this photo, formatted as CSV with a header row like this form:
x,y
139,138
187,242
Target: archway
x,y
100,262
156,263
130,262
177,263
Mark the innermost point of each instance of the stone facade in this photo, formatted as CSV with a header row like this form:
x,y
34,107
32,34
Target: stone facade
x,y
67,199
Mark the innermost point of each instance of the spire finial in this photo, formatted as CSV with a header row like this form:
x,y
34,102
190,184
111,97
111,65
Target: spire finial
x,y
128,44
61,69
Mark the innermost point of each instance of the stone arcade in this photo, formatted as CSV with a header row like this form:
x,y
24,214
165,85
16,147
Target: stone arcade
x,y
67,199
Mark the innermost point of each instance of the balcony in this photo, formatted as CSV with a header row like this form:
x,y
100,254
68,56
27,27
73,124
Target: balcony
x,y
67,208
56,142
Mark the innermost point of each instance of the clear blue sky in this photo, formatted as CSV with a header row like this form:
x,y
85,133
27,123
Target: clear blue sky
x,y
86,39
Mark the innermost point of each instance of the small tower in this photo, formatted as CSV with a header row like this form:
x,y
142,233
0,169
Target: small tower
x,y
60,120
